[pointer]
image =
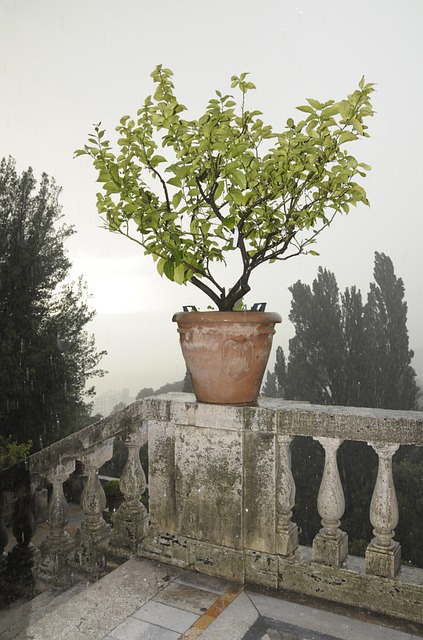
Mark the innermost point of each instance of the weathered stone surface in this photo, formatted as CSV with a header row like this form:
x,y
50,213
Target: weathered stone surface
x,y
99,609
259,491
209,485
261,568
391,597
161,450
348,423
331,551
94,434
180,551
222,493
385,562
130,522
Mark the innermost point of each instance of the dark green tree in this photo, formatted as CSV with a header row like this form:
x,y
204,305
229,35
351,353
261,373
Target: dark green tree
x,y
187,385
144,393
390,380
45,353
274,386
316,350
269,388
360,355
353,352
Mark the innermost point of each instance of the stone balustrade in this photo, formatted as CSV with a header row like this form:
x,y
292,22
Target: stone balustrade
x,y
222,496
59,555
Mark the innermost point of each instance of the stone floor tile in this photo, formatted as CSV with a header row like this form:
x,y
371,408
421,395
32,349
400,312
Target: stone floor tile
x,y
187,598
234,621
202,581
169,617
133,629
322,622
105,604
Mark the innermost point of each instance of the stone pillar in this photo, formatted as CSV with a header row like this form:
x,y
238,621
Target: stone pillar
x,y
383,555
58,545
130,522
330,546
286,531
24,557
91,540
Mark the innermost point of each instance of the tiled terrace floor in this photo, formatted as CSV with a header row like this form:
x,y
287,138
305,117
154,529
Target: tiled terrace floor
x,y
145,600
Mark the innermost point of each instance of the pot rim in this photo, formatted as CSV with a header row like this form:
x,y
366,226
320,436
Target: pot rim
x,y
226,317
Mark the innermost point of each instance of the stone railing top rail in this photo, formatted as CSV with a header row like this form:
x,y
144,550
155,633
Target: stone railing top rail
x,y
291,418
271,415
78,442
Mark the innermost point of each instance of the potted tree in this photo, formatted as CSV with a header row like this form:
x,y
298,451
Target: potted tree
x,y
197,192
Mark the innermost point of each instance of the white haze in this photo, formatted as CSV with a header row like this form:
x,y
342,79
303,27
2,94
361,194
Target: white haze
x,y
66,65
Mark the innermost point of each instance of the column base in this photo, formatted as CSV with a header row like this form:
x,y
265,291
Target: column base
x,y
55,554
384,562
91,547
287,540
331,551
130,527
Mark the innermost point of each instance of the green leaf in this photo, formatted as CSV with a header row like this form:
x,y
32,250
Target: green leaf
x,y
111,187
179,274
114,172
161,265
177,199
314,103
237,196
219,190
357,125
239,178
175,182
103,176
305,108
347,136
169,269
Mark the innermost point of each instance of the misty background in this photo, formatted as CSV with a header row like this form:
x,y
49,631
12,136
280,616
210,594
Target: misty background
x,y
65,66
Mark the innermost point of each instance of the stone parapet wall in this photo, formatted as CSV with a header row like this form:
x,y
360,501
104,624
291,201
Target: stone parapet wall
x,y
222,493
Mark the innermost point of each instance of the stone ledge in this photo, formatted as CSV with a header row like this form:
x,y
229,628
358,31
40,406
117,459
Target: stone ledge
x,y
289,418
298,574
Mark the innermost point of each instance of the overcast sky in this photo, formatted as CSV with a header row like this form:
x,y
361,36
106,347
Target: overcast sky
x,y
66,65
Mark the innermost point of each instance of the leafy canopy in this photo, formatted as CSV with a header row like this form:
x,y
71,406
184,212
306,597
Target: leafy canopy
x,y
46,355
190,192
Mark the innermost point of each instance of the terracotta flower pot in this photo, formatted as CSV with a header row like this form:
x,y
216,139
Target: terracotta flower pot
x,y
226,353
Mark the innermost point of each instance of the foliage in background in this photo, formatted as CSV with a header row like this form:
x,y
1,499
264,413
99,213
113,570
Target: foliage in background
x,y
191,192
346,353
45,353
274,386
12,452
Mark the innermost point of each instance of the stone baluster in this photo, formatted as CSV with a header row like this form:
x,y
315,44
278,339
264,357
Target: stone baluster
x,y
91,540
24,557
383,554
4,539
130,522
330,546
58,546
286,531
